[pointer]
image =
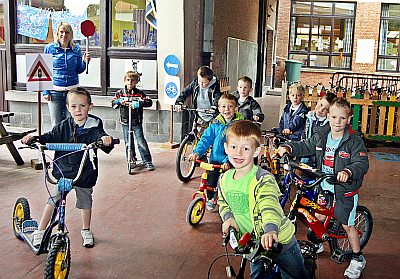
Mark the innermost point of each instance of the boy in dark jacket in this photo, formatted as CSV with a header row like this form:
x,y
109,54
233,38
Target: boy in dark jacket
x,y
248,107
293,118
80,127
344,154
132,97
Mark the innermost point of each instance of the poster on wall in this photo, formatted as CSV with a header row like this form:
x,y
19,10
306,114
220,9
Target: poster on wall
x,y
74,20
365,51
32,22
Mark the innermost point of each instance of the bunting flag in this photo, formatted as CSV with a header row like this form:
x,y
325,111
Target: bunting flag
x,y
151,13
32,22
73,20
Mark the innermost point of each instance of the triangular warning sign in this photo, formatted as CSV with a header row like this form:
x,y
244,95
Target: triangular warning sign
x,y
39,73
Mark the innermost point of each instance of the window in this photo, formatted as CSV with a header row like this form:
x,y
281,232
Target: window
x,y
388,54
1,23
321,34
131,26
37,21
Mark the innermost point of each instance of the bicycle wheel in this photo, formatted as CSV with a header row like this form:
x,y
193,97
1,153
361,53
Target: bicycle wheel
x,y
184,168
58,262
21,213
195,211
363,223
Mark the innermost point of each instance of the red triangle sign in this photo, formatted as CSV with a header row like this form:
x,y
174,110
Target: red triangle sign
x,y
39,73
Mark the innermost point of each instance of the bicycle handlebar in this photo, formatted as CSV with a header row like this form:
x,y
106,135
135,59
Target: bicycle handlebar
x,y
210,111
208,166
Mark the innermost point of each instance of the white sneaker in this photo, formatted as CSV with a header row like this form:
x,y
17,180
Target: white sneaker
x,y
355,268
37,237
88,239
320,248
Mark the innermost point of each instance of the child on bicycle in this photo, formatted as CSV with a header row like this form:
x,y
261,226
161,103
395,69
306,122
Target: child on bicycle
x,y
248,199
131,96
248,106
205,92
293,119
80,127
214,136
344,154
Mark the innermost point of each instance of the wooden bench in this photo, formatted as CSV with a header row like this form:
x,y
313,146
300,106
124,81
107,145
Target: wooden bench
x,y
9,134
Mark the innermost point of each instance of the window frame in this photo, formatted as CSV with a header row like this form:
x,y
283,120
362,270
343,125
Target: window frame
x,y
311,16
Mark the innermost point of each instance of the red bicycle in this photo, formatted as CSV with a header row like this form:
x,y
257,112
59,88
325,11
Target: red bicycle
x,y
331,229
196,209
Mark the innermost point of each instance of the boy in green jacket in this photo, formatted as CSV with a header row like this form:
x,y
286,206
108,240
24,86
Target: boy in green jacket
x,y
249,202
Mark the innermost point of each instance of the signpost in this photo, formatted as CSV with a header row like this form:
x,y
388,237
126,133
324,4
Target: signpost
x,y
172,65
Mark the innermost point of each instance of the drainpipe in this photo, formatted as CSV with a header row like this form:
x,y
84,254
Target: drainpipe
x,y
274,49
260,47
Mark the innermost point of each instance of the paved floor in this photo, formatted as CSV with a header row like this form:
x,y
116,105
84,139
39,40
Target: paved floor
x,y
140,229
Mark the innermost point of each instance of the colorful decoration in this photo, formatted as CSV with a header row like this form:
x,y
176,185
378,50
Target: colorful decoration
x,y
74,20
32,22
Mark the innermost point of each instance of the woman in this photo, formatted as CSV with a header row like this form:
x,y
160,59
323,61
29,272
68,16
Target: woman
x,y
67,64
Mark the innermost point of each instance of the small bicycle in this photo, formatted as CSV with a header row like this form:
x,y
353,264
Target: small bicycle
x,y
304,207
250,249
196,209
57,244
185,168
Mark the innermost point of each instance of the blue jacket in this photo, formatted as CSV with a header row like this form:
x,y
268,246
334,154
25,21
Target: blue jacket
x,y
67,64
63,132
295,122
214,136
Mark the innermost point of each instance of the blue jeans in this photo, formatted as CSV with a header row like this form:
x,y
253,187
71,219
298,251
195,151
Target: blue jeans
x,y
290,262
58,107
141,142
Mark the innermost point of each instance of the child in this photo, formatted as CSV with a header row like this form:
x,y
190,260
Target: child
x,y
137,101
248,199
293,118
214,136
317,120
80,127
248,107
341,153
205,93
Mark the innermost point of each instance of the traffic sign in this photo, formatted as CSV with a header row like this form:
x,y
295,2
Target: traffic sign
x,y
172,65
171,89
39,69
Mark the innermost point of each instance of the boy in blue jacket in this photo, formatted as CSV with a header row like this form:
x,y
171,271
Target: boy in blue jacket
x,y
214,136
80,127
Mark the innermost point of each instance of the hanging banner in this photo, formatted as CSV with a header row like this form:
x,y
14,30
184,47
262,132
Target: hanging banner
x,y
74,20
32,22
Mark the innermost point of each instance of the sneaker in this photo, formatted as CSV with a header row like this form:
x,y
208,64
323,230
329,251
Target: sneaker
x,y
320,248
357,264
87,236
210,205
37,237
150,167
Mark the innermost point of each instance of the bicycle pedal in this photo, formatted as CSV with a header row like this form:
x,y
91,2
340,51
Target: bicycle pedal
x,y
29,226
229,271
338,257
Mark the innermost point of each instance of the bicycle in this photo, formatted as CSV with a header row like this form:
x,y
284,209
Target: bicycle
x,y
57,245
196,208
250,249
184,168
304,207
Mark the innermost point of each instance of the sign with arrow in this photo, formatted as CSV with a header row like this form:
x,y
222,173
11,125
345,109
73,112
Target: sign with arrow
x,y
172,65
39,69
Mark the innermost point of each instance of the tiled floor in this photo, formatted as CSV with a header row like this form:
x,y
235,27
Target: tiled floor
x,y
140,229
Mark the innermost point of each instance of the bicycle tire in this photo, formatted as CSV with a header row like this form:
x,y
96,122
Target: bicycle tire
x,y
184,168
58,262
363,223
195,211
21,213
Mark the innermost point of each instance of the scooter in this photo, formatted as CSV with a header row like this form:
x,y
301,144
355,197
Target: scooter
x,y
132,164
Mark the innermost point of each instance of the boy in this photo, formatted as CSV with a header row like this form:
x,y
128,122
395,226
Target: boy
x,y
131,96
214,136
248,107
293,118
205,91
80,127
248,199
341,153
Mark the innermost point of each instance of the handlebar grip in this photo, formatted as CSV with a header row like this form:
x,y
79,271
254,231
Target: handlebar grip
x,y
276,247
115,141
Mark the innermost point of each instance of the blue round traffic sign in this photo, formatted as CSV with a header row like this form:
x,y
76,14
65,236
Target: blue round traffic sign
x,y
171,89
172,65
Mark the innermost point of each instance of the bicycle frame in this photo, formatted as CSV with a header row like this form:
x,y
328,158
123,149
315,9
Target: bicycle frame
x,y
203,187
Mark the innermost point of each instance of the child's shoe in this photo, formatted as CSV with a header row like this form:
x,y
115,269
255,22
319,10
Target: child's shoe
x,y
37,237
88,239
357,264
150,166
210,205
